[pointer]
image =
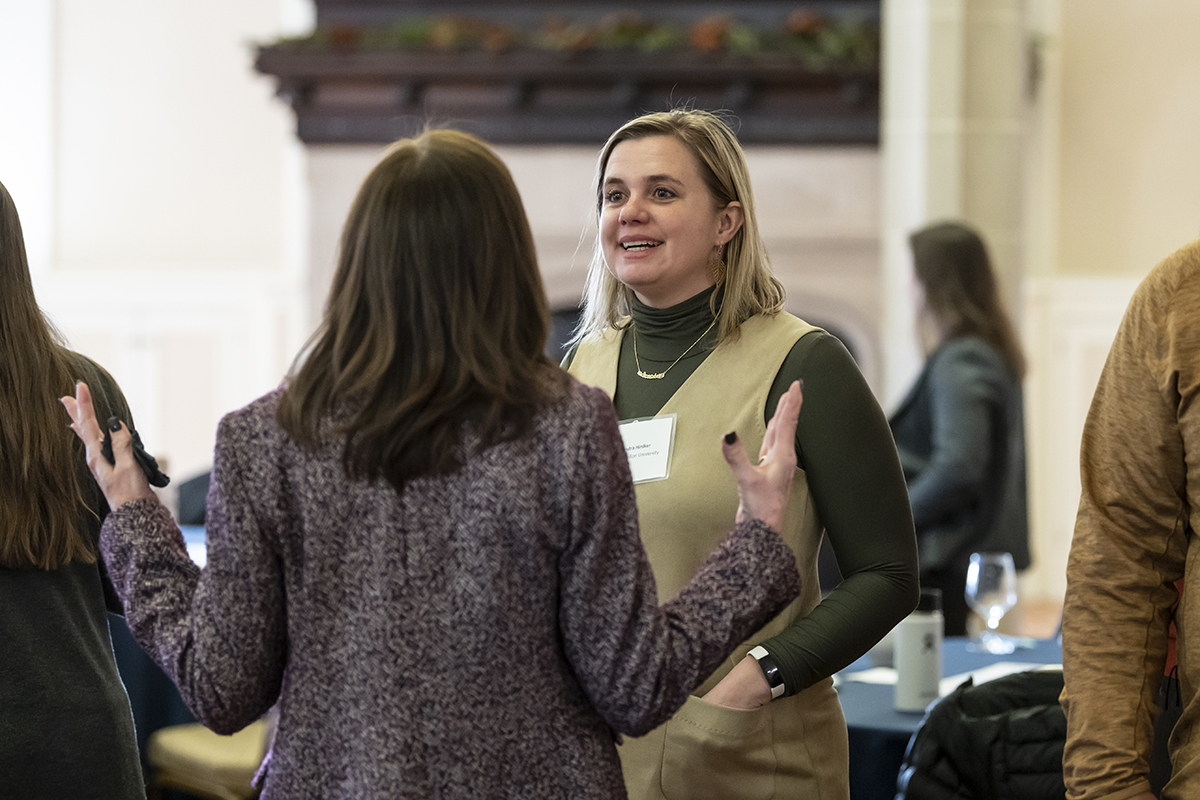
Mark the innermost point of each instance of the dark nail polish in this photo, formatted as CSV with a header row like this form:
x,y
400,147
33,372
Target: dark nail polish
x,y
801,384
731,437
114,424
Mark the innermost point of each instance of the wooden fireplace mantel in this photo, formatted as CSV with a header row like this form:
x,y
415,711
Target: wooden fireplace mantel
x,y
526,96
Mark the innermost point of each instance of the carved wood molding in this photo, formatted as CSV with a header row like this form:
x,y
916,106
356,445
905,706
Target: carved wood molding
x,y
524,96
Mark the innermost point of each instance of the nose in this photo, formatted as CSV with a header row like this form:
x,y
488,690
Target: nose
x,y
633,210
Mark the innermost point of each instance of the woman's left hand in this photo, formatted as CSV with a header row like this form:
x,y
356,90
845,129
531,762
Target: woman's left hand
x,y
763,488
745,687
122,481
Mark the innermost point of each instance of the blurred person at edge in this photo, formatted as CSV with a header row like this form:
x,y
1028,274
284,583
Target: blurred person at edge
x,y
683,316
1129,574
960,430
66,729
424,545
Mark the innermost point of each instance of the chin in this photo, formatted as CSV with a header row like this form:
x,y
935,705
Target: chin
x,y
632,278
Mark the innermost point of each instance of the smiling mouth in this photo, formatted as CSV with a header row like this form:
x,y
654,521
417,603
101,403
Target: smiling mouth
x,y
646,245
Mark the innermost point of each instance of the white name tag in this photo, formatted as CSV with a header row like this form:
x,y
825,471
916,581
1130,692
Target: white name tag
x,y
648,444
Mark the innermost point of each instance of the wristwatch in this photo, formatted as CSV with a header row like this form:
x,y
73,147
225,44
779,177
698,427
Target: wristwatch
x,y
766,663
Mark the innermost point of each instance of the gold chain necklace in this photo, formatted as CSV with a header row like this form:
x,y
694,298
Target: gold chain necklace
x,y
654,376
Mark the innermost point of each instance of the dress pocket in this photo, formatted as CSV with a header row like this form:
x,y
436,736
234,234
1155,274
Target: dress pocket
x,y
716,753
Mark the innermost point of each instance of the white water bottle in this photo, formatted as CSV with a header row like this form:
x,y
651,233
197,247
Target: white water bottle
x,y
918,654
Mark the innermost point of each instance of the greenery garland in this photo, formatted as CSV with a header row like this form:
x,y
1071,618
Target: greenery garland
x,y
821,42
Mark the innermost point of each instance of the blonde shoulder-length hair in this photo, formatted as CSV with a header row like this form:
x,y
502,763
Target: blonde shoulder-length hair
x,y
749,286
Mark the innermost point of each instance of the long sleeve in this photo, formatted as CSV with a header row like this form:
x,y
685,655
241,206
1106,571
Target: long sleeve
x,y
637,661
1131,536
220,633
846,450
965,391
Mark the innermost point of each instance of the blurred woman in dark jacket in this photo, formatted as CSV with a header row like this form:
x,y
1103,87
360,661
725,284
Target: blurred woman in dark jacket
x,y
65,725
960,431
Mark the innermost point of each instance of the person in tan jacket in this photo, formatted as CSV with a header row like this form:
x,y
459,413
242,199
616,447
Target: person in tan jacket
x,y
1139,509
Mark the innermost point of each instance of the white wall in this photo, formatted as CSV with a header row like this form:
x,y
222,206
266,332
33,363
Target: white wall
x,y
1130,152
1069,327
163,199
1113,171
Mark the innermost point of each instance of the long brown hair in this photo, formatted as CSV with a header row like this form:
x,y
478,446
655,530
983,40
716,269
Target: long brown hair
x,y
41,506
750,287
436,318
951,262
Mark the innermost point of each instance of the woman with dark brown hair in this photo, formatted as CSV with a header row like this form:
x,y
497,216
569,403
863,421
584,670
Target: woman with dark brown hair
x,y
960,431
65,725
424,546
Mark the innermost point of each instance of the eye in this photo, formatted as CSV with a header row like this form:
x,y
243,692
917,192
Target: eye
x,y
614,196
663,193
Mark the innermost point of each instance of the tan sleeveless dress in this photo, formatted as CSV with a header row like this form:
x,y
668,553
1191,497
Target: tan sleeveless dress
x,y
794,747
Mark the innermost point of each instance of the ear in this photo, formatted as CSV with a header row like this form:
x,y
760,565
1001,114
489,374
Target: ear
x,y
729,221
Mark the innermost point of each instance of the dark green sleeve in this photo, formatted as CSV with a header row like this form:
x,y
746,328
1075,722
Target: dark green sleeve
x,y
845,447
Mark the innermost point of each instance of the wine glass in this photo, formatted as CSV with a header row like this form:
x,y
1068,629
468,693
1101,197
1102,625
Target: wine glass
x,y
991,592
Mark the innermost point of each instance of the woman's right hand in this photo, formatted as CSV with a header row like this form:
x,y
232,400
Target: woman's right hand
x,y
763,489
121,481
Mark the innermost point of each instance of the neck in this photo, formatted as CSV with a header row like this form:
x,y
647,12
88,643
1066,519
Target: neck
x,y
662,333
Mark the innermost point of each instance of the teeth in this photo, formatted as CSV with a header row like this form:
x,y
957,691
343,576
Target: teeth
x,y
640,245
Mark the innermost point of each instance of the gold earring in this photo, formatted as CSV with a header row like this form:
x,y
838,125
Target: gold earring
x,y
717,266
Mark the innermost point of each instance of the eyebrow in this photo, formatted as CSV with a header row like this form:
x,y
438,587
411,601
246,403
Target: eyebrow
x,y
663,178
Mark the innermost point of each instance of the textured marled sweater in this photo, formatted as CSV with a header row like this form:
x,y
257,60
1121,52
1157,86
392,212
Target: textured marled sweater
x,y
484,634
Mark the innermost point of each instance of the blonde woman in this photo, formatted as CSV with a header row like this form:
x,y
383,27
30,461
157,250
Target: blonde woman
x,y
683,321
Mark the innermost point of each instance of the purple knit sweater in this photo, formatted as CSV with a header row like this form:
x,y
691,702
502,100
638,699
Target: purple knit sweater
x,y
483,634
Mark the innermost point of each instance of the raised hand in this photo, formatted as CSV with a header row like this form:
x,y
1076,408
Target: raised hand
x,y
121,481
763,488
762,494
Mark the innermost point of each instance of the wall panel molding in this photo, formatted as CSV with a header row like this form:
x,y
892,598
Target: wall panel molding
x,y
1068,328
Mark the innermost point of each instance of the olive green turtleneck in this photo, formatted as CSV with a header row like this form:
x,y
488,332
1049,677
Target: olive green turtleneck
x,y
844,445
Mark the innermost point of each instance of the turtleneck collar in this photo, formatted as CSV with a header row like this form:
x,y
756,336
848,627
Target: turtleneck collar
x,y
661,331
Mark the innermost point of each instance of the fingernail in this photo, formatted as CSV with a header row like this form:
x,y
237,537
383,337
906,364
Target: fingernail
x,y
114,424
731,437
801,384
